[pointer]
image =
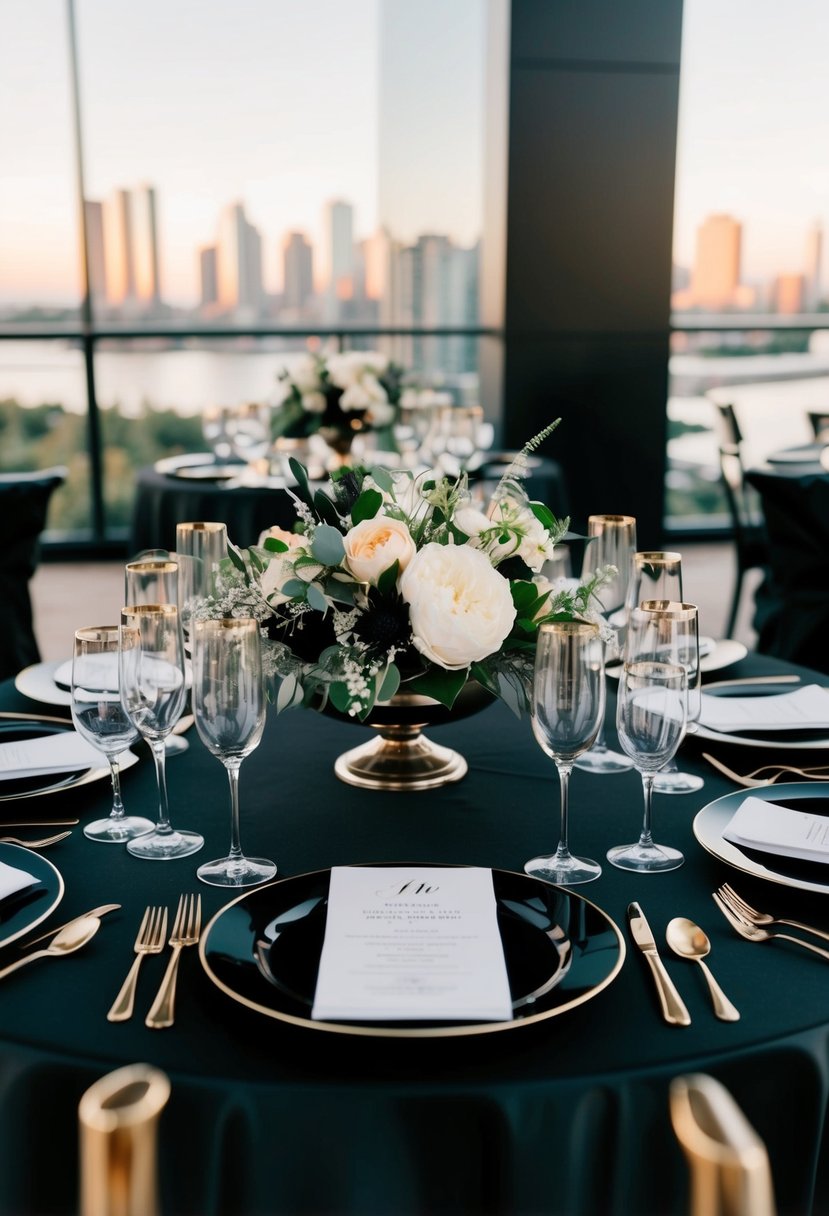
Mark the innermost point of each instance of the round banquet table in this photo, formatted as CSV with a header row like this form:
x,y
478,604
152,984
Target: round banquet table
x,y
793,621
568,1116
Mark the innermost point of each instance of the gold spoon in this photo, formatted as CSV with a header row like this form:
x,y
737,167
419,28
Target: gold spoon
x,y
688,941
71,937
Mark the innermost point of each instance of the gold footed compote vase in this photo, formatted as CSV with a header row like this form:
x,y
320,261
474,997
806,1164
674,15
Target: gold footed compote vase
x,y
401,757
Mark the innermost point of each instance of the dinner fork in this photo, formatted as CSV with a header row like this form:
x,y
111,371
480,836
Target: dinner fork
x,y
35,844
744,910
754,934
186,930
150,940
750,781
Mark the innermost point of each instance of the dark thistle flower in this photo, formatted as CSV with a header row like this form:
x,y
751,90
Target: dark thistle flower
x,y
384,623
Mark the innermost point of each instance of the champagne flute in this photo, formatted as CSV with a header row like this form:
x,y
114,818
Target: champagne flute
x,y
200,547
612,543
668,631
151,672
153,578
650,720
567,711
99,717
229,704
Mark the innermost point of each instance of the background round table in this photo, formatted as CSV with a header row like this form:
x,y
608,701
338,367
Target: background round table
x,y
566,1117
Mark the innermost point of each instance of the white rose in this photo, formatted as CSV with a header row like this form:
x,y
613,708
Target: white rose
x,y
314,402
344,369
366,392
305,374
382,413
294,540
374,544
460,607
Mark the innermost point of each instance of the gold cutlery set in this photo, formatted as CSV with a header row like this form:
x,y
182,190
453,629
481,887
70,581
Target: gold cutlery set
x,y
751,924
151,937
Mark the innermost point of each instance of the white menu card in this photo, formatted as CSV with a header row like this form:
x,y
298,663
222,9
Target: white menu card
x,y
806,708
779,829
48,754
412,943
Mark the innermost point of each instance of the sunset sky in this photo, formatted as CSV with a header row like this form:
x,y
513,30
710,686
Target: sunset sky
x,y
286,105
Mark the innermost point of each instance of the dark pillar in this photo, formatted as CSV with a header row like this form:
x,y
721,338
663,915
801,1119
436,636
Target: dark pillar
x,y
593,92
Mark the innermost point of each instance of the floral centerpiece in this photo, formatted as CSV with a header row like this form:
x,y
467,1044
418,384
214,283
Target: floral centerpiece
x,y
395,582
338,395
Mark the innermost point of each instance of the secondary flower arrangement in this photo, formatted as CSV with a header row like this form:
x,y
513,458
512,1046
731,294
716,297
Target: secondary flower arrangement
x,y
394,579
340,395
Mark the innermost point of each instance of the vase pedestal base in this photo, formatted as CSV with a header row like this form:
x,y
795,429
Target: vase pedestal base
x,y
401,758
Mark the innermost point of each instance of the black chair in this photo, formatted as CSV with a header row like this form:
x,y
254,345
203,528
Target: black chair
x,y
24,501
750,541
820,425
728,426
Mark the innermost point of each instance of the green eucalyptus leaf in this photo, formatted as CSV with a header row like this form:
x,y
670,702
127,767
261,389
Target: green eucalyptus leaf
x,y
325,509
327,545
236,557
388,579
301,475
294,588
366,506
316,598
439,683
383,478
275,546
287,692
339,696
389,683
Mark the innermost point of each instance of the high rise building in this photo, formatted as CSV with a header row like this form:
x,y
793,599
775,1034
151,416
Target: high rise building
x,y
789,290
238,263
298,271
145,247
120,262
96,262
715,277
814,253
208,278
339,256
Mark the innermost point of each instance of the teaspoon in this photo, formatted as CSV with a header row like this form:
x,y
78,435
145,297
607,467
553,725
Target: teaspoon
x,y
688,941
71,937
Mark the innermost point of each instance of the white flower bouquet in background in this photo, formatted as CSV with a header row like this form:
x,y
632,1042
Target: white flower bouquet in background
x,y
394,580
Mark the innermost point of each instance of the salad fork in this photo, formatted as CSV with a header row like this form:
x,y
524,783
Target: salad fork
x,y
753,933
776,771
150,940
744,910
186,930
35,844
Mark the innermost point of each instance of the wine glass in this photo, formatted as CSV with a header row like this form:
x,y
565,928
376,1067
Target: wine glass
x,y
249,430
567,711
151,673
612,543
200,547
668,631
658,576
151,579
650,721
99,717
215,429
229,704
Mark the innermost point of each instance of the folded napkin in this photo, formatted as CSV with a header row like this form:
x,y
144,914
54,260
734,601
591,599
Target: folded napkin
x,y
772,828
62,753
12,881
806,708
63,675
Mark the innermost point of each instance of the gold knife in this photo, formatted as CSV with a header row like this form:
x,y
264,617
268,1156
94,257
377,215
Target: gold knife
x,y
95,913
673,1006
38,823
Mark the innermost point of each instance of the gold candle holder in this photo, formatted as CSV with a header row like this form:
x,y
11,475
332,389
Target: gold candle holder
x,y
118,1118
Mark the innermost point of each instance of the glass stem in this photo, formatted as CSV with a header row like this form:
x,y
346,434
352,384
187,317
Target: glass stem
x,y
646,839
564,771
233,767
159,756
117,811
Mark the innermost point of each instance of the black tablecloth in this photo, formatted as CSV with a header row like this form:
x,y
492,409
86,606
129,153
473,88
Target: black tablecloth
x,y
569,1116
793,617
162,501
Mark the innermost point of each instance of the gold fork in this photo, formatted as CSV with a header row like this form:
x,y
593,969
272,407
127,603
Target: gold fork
x,y
744,910
186,930
35,844
753,934
150,940
778,770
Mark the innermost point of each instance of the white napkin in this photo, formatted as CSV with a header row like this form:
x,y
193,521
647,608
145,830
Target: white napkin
x,y
806,708
778,829
13,880
61,753
63,675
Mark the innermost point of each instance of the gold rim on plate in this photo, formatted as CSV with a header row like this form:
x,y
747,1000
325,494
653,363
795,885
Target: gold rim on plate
x,y
127,760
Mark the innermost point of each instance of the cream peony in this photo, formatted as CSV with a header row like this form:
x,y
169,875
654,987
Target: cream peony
x,y
460,607
374,544
277,572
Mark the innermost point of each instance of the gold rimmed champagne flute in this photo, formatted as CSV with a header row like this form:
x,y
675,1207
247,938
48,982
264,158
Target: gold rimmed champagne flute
x,y
567,710
668,630
229,706
200,547
650,722
151,675
612,542
153,578
100,718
